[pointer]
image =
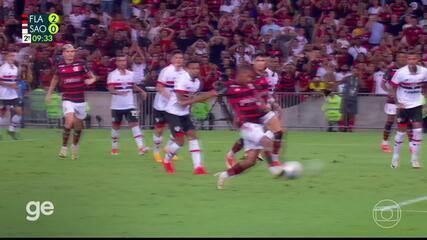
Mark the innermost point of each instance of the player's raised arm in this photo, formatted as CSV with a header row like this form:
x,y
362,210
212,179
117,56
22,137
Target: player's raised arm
x,y
200,97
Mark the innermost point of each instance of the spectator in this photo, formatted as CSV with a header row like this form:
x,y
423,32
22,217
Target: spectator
x,y
351,84
376,30
357,48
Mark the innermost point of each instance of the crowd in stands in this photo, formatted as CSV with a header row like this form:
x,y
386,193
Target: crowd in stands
x,y
310,42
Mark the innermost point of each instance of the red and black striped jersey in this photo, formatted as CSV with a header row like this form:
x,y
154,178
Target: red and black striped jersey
x,y
286,83
71,80
262,85
244,100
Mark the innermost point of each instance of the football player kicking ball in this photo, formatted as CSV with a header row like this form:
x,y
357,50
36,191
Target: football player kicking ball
x,y
73,77
178,118
121,84
164,87
272,120
252,111
9,99
409,82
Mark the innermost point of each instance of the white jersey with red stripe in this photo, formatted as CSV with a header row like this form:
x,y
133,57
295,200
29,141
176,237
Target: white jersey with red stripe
x,y
187,85
122,82
410,86
8,74
167,78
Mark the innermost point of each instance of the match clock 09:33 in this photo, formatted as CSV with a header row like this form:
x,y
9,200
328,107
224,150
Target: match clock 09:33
x,y
41,38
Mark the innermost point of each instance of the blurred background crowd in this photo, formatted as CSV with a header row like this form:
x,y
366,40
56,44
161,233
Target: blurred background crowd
x,y
310,42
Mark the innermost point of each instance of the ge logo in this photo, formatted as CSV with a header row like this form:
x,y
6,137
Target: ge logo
x,y
387,213
35,208
177,129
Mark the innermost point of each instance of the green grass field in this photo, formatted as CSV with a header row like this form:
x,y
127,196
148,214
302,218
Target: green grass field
x,y
129,195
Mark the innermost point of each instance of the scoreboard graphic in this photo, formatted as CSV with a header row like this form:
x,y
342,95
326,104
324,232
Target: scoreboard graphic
x,y
39,28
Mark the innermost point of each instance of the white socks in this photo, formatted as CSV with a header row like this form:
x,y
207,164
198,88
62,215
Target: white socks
x,y
195,151
14,123
157,140
398,140
173,150
171,139
115,135
137,135
416,143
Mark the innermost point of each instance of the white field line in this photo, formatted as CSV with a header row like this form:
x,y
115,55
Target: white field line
x,y
404,203
415,211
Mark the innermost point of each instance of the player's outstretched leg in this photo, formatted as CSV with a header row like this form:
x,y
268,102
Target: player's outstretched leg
x,y
416,145
238,168
274,125
229,158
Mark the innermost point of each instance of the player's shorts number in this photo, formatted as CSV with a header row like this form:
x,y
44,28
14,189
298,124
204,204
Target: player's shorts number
x,y
134,113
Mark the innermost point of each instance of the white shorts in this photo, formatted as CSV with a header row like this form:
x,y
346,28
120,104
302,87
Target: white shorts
x,y
252,133
267,117
79,109
390,109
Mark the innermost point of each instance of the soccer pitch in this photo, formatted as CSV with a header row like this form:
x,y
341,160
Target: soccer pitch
x,y
129,195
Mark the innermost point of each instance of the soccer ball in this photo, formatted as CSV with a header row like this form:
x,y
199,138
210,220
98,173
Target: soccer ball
x,y
292,169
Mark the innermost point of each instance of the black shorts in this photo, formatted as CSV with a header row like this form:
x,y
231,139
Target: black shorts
x,y
410,115
159,117
179,125
11,103
131,115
